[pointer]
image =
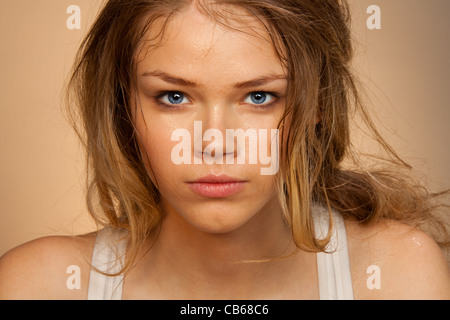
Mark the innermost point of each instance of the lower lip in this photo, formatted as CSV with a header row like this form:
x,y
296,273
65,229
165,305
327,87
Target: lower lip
x,y
217,190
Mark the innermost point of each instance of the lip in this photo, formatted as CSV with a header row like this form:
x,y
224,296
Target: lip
x,y
212,186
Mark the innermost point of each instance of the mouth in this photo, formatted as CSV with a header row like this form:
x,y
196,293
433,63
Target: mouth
x,y
213,186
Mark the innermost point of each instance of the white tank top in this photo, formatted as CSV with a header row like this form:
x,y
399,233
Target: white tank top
x,y
333,268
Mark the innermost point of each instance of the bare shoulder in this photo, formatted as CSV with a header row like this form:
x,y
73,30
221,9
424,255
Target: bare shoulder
x,y
54,267
391,260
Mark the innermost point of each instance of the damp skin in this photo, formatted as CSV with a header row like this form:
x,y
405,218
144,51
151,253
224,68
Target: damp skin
x,y
225,80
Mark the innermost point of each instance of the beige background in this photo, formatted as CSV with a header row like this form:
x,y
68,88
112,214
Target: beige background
x,y
405,65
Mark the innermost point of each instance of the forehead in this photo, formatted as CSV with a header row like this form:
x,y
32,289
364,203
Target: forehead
x,y
195,44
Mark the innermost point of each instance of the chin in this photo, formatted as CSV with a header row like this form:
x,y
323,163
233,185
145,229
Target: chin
x,y
218,220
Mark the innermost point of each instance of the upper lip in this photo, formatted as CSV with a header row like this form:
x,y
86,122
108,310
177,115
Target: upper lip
x,y
217,179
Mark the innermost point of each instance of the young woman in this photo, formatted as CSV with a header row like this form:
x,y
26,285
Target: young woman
x,y
219,165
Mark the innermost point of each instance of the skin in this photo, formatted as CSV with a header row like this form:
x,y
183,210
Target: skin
x,y
195,50
199,250
229,229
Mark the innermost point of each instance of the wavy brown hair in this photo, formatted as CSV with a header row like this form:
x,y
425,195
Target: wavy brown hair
x,y
313,40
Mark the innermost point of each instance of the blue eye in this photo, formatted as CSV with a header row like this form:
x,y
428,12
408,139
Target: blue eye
x,y
259,98
174,98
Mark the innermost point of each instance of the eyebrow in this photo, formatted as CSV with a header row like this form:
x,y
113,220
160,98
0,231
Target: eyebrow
x,y
239,85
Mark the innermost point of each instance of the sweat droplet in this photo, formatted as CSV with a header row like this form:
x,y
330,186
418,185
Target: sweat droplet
x,y
417,242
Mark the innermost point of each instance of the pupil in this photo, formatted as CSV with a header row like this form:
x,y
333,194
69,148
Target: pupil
x,y
175,98
259,97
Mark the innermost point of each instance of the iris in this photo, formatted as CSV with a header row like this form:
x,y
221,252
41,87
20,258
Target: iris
x,y
175,97
258,97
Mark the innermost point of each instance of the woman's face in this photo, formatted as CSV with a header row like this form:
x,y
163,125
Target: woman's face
x,y
201,90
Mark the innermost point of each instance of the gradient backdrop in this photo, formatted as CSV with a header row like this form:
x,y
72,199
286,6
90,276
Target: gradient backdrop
x,y
405,66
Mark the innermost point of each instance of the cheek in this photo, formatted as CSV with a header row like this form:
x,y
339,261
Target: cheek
x,y
155,145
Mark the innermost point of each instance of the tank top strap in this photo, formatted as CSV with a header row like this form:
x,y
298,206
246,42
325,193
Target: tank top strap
x,y
107,259
333,266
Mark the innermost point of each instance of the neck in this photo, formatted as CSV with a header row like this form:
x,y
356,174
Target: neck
x,y
264,235
232,263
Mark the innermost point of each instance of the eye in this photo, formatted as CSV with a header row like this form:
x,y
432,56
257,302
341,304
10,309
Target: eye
x,y
174,98
259,98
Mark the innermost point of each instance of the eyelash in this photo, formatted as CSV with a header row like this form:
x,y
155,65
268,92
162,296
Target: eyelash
x,y
166,106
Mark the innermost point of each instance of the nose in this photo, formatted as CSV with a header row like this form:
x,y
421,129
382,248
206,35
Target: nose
x,y
210,135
